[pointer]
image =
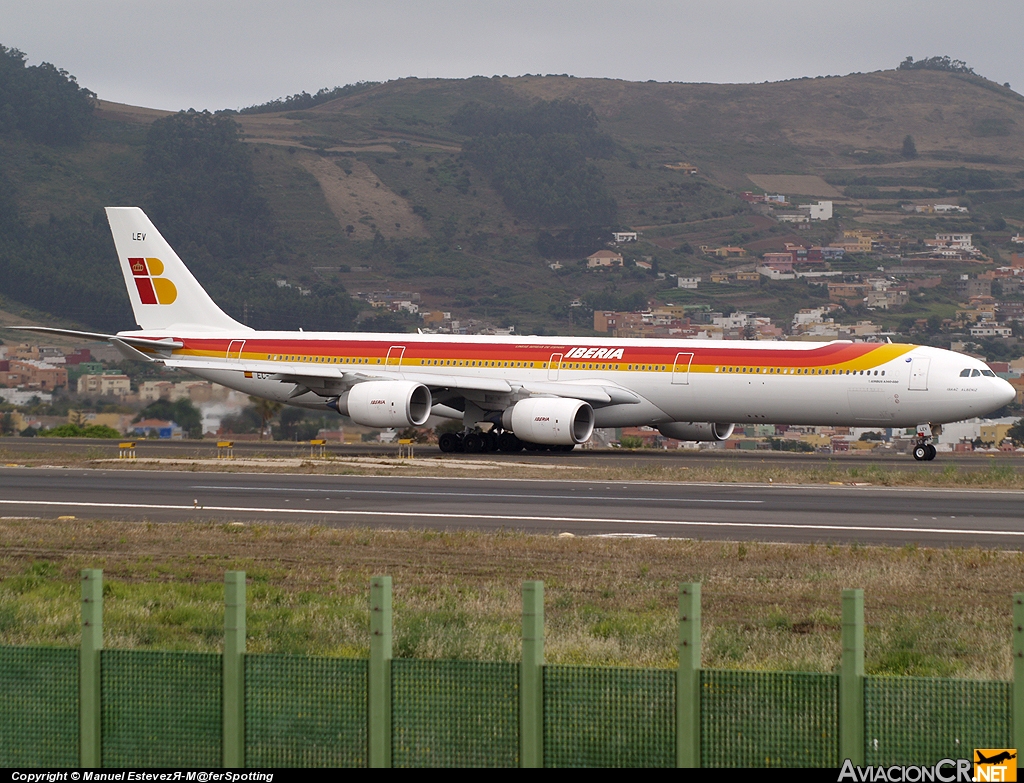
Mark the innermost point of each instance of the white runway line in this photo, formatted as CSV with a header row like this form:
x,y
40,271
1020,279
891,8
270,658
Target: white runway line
x,y
339,491
517,518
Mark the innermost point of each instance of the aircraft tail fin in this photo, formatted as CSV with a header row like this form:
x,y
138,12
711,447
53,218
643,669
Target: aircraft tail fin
x,y
163,292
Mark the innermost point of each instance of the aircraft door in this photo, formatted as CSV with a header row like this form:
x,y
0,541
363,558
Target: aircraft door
x,y
234,350
554,365
681,369
395,354
919,374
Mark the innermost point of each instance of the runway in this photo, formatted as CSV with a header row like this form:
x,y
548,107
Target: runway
x,y
841,514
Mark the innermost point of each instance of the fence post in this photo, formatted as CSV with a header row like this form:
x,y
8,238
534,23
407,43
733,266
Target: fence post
x,y
89,715
851,680
688,678
234,669
379,686
531,678
1018,670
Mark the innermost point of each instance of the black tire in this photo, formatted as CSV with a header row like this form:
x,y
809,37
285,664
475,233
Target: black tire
x,y
531,446
567,448
449,443
473,442
931,452
921,453
491,441
507,441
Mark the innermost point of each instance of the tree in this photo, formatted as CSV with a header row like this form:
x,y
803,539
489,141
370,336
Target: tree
x,y
909,148
182,412
1016,433
267,409
43,102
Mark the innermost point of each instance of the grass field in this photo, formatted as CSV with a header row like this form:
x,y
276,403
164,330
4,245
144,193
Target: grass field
x,y
457,595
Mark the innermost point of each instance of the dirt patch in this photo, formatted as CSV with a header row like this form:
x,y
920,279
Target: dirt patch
x,y
799,184
362,201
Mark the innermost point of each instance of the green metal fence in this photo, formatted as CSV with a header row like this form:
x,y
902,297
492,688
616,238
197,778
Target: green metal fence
x,y
921,720
454,714
305,712
160,709
769,719
609,717
92,707
38,707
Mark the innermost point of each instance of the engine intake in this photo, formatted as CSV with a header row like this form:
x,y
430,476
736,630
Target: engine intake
x,y
697,430
386,404
550,421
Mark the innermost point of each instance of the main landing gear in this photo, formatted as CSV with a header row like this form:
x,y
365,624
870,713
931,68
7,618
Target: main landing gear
x,y
923,450
478,442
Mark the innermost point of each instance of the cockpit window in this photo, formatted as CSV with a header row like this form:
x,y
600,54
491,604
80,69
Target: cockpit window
x,y
988,373
965,373
975,373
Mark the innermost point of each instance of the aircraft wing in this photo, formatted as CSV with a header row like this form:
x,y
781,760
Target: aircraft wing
x,y
331,377
316,375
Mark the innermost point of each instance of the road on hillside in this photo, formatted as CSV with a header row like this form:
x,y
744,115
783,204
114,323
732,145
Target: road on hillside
x,y
870,515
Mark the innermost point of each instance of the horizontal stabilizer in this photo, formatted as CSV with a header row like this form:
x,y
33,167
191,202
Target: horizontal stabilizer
x,y
137,342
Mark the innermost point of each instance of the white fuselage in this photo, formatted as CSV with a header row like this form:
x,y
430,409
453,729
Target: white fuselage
x,y
838,383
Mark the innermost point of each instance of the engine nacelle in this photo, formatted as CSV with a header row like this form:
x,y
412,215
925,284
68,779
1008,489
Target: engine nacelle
x,y
696,430
550,421
387,403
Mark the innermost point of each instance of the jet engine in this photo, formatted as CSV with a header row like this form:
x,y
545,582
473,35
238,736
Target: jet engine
x,y
696,430
550,421
386,403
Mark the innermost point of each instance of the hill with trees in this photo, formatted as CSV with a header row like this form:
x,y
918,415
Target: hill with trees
x,y
464,191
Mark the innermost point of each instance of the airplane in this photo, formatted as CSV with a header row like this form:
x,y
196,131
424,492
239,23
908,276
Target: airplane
x,y
996,759
538,393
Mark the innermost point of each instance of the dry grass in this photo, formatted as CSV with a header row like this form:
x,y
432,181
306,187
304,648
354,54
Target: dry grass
x,y
457,595
981,474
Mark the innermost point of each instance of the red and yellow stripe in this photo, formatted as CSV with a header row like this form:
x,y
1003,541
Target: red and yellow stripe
x,y
735,357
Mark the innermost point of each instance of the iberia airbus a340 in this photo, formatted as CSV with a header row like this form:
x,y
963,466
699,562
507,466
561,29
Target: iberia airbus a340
x,y
538,392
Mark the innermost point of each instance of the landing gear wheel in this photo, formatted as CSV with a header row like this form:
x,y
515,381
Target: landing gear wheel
x,y
921,452
507,441
491,441
449,442
473,442
565,448
931,452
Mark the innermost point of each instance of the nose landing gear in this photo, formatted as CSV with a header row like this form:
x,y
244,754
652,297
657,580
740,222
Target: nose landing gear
x,y
923,450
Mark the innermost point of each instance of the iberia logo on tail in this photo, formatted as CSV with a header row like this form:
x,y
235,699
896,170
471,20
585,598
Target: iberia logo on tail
x,y
152,289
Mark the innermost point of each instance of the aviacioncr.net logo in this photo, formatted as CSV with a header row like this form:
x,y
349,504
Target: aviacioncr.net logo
x,y
153,289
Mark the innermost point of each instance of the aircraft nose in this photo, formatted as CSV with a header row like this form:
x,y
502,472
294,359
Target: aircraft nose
x,y
1004,393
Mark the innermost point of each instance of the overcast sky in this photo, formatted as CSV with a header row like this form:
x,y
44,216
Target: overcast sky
x,y
213,54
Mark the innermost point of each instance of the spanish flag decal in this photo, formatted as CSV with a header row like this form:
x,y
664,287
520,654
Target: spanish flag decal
x,y
152,288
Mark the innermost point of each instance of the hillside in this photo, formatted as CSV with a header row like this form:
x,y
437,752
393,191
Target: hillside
x,y
378,191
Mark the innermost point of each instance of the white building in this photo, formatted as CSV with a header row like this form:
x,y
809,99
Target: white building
x,y
956,240
24,396
820,211
687,282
